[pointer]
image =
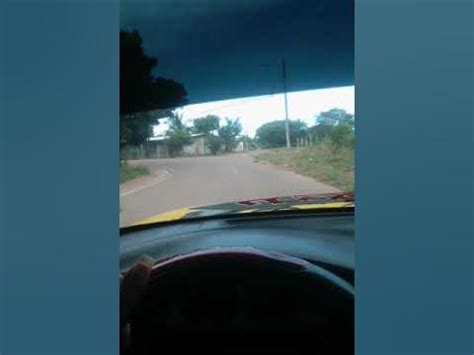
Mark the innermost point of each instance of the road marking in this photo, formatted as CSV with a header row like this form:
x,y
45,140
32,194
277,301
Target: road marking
x,y
234,170
162,177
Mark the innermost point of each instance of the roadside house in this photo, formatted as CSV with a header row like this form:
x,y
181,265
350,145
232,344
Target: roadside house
x,y
156,147
198,145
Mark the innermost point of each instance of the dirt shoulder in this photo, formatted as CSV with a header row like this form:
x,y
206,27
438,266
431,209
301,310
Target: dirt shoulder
x,y
333,167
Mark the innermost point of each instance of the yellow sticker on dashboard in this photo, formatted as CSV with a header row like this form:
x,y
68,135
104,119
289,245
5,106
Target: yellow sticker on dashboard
x,y
324,205
165,217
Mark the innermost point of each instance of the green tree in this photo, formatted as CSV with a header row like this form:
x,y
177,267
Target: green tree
x,y
207,124
178,134
273,134
336,125
229,132
136,128
341,135
214,143
144,98
334,117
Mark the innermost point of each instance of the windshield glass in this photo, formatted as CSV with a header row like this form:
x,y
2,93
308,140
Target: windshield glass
x,y
219,127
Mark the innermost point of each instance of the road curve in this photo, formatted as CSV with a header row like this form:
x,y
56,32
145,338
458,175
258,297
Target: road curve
x,y
199,181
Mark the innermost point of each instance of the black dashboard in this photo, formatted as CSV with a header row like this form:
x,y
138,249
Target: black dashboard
x,y
325,239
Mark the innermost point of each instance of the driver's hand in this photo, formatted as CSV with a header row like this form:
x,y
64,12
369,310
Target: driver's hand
x,y
132,287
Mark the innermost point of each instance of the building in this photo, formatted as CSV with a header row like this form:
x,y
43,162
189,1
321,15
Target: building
x,y
156,147
198,146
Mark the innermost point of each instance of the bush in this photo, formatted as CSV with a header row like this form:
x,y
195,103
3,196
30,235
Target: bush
x,y
176,141
214,144
273,134
129,172
341,136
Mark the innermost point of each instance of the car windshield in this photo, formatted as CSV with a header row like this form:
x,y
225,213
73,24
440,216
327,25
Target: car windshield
x,y
217,128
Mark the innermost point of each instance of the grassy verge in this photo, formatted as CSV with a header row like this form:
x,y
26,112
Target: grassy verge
x,y
333,167
129,172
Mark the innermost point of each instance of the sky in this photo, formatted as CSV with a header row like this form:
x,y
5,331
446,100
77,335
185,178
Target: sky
x,y
255,111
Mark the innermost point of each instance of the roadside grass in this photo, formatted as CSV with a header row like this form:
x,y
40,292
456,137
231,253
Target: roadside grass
x,y
325,164
129,172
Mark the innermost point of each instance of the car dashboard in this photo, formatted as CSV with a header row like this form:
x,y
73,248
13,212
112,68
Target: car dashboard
x,y
324,239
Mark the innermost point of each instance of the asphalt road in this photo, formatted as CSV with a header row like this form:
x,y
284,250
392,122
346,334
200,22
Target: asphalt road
x,y
199,181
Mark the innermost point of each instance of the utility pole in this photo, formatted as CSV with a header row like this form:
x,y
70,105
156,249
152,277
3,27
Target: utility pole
x,y
287,122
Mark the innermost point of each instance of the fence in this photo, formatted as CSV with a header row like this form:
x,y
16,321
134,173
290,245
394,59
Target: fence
x,y
148,150
306,141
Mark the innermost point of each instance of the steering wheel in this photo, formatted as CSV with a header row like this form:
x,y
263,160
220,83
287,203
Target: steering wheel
x,y
237,300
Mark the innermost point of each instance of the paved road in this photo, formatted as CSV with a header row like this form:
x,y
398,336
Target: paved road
x,y
198,181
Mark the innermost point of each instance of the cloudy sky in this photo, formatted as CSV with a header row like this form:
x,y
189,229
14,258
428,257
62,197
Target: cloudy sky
x,y
257,110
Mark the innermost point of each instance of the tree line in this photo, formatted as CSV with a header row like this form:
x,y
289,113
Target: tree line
x,y
146,98
334,127
219,136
